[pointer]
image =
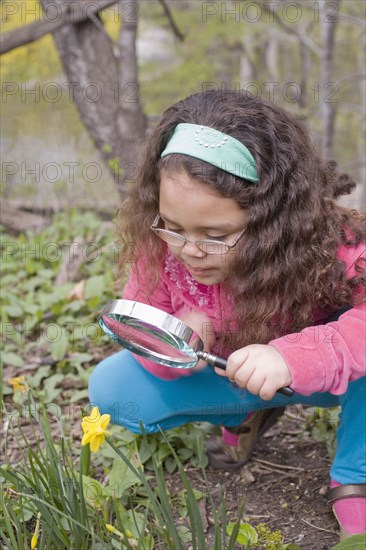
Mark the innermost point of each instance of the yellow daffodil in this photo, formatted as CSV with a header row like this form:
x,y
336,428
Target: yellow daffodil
x,y
19,384
94,428
34,540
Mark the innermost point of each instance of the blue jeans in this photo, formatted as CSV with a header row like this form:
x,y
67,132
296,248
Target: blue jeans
x,y
119,386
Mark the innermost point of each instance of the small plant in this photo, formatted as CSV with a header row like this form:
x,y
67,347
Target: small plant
x,y
50,500
356,542
259,537
322,425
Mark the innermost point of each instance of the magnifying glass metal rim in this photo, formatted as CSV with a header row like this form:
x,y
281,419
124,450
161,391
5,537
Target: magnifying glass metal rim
x,y
169,325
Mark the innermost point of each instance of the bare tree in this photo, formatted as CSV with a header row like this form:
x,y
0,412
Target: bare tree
x,y
116,125
327,108
102,76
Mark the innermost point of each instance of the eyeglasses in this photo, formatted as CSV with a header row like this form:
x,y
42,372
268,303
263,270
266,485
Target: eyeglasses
x,y
208,246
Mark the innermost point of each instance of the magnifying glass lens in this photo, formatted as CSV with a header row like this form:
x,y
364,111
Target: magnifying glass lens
x,y
150,341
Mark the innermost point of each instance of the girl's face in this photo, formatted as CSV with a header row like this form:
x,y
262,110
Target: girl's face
x,y
194,210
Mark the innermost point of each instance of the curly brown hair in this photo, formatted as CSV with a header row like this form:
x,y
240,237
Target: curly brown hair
x,y
286,264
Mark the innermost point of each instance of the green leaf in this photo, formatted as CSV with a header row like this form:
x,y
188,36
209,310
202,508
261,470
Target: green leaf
x,y
356,542
39,374
51,392
13,311
81,358
120,479
93,491
147,449
170,465
94,286
184,534
93,303
79,395
162,453
184,453
13,359
246,534
23,514
59,347
198,494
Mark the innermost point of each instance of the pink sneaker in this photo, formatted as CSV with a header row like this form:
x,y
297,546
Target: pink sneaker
x,y
349,507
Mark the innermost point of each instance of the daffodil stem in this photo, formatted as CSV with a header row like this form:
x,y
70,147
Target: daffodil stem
x,y
85,460
105,513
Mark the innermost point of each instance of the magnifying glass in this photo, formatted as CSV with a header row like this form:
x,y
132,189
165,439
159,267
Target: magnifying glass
x,y
158,336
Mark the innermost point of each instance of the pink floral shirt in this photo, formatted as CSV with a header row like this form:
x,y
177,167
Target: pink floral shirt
x,y
322,358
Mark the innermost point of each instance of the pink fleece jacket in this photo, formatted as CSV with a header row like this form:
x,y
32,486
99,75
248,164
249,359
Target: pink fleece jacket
x,y
321,358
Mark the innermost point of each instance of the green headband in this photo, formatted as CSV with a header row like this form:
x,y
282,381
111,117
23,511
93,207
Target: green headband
x,y
214,147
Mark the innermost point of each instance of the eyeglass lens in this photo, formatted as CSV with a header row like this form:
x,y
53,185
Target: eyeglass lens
x,y
207,246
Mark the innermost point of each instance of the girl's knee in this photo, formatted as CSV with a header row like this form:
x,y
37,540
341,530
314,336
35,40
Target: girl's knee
x,y
99,383
108,385
116,387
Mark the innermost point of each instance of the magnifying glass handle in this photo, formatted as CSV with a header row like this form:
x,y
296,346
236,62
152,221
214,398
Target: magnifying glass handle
x,y
220,363
213,360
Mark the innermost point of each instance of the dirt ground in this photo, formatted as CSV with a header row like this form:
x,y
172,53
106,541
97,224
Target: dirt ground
x,y
284,486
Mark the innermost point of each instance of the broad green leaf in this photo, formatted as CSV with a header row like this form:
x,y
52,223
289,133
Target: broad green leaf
x,y
198,494
13,359
356,542
7,390
45,273
31,267
60,346
14,311
120,479
184,453
38,375
147,449
134,522
93,492
184,534
94,286
79,395
93,302
170,465
246,535
81,358
51,392
162,453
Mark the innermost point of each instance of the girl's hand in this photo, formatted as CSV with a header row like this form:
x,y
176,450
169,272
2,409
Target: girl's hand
x,y
203,327
259,368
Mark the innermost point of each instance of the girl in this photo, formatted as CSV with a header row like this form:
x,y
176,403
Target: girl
x,y
235,230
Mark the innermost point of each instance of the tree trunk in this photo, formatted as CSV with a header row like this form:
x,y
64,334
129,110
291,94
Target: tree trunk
x,y
93,74
130,121
329,20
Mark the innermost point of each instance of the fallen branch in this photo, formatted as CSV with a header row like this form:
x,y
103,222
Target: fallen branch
x,y
17,220
319,528
277,465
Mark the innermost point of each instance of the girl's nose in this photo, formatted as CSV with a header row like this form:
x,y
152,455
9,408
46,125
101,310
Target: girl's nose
x,y
191,249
